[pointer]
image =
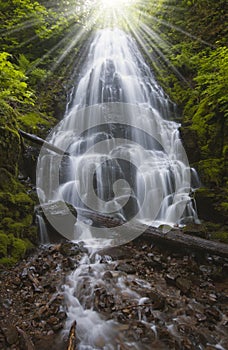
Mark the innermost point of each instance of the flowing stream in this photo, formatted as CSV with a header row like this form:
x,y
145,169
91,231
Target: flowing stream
x,y
126,160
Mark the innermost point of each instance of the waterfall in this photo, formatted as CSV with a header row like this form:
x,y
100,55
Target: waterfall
x,y
127,158
43,234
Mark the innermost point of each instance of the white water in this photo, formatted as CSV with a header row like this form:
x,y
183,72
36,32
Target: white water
x,y
126,122
44,238
95,332
123,134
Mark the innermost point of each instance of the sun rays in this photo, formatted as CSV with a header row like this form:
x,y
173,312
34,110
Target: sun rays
x,y
80,18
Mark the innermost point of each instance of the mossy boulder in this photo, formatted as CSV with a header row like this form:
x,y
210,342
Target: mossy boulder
x,y
12,248
9,183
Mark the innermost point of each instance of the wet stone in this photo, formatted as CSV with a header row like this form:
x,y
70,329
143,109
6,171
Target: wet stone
x,y
183,284
171,279
129,269
107,275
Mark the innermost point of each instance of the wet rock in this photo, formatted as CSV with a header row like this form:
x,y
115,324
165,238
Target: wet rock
x,y
201,317
107,275
118,253
58,214
183,284
156,300
171,279
129,269
213,314
69,249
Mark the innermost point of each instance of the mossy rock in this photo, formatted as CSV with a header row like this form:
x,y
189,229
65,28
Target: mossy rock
x,y
10,147
12,248
8,182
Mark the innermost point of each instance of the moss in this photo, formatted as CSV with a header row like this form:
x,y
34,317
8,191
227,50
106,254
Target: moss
x,y
4,241
8,183
220,236
16,221
19,202
211,205
9,149
18,248
12,248
211,171
35,122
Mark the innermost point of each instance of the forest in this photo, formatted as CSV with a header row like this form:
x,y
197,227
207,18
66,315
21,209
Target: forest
x,y
43,45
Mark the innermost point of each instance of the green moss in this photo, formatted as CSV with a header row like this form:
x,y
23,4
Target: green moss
x,y
18,248
4,241
211,171
224,205
9,149
8,182
36,122
12,248
220,236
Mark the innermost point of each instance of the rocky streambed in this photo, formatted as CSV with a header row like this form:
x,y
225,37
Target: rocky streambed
x,y
151,297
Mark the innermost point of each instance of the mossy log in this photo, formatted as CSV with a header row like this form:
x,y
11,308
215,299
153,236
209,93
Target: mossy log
x,y
39,141
174,238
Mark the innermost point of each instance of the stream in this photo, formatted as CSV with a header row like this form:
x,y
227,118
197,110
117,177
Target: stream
x,y
136,296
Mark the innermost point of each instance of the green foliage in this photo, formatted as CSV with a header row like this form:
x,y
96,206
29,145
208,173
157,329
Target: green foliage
x,y
211,171
13,86
212,78
193,69
35,75
220,236
35,122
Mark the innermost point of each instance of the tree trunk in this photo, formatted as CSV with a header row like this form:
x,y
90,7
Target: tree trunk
x,y
39,141
173,238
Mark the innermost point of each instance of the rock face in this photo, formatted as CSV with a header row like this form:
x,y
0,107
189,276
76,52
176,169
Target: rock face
x,y
159,299
17,194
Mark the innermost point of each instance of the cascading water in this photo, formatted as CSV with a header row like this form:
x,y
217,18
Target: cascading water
x,y
115,129
126,160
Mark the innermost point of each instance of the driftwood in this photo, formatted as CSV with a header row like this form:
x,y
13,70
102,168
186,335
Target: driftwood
x,y
173,238
72,337
39,141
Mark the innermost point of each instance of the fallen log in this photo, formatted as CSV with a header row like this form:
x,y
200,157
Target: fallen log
x,y
173,238
39,141
179,239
